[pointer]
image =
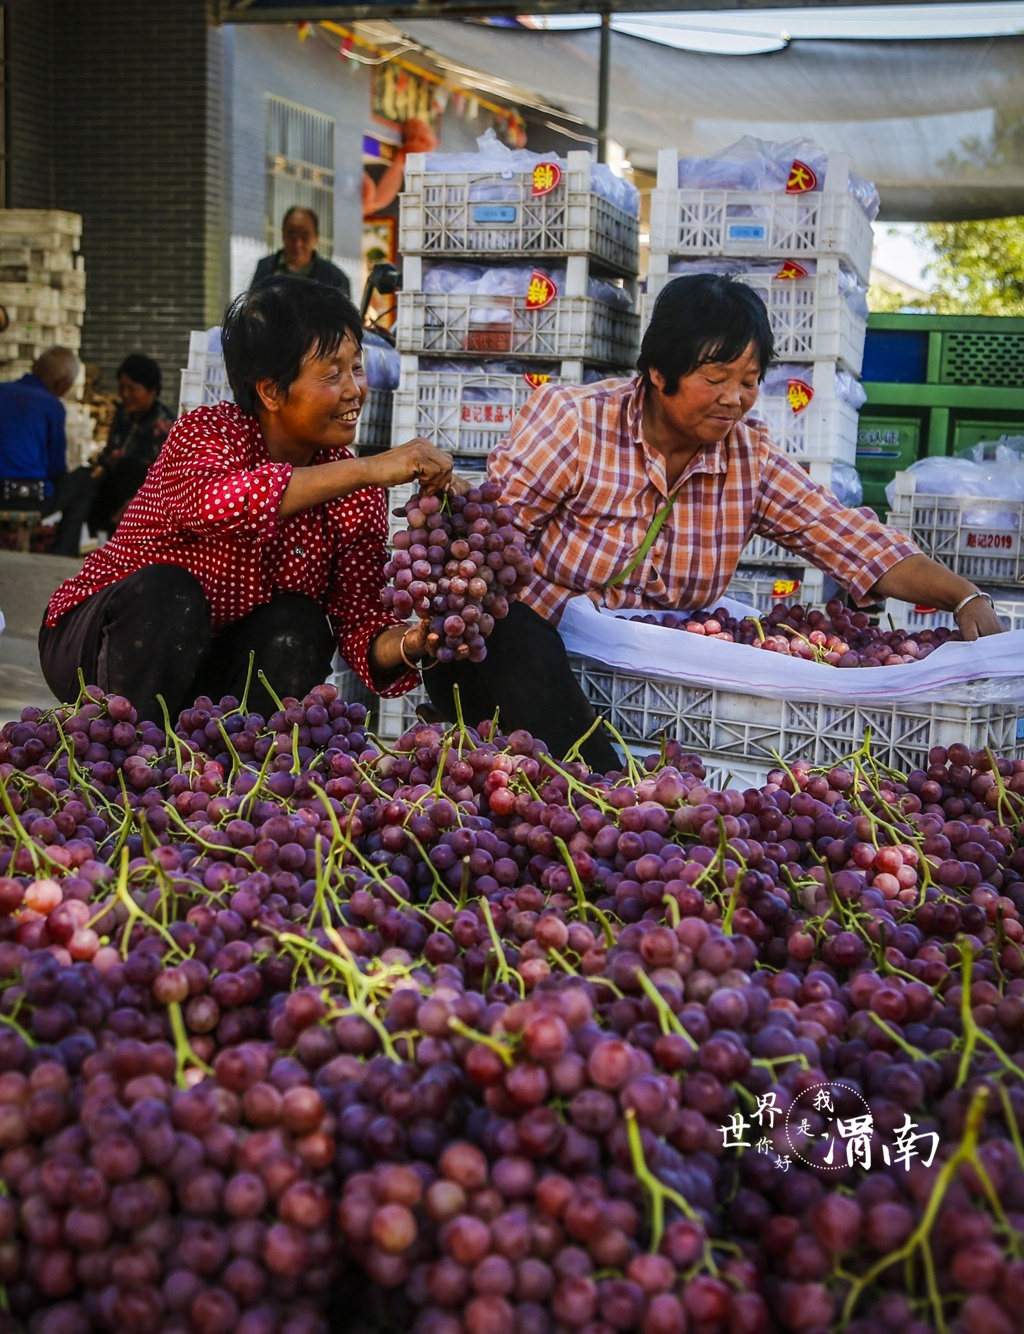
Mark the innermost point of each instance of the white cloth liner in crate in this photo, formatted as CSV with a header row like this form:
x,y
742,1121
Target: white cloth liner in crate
x,y
988,671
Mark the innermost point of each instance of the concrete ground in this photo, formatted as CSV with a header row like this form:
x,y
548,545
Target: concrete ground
x,y
26,582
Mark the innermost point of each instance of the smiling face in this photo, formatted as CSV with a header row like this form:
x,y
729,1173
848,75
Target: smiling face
x,y
321,408
299,237
709,401
137,399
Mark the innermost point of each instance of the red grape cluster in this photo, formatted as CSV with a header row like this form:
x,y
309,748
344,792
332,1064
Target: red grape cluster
x,y
835,636
296,1036
459,563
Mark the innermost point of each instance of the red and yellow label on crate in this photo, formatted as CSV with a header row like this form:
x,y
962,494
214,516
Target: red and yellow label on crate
x,y
541,291
546,175
785,588
791,269
535,380
799,393
801,178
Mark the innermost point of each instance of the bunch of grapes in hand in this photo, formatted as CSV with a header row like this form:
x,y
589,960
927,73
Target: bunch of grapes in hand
x,y
458,563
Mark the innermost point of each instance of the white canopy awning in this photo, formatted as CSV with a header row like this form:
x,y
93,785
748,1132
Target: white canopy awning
x,y
938,125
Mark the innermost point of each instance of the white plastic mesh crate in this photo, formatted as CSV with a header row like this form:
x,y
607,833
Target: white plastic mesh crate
x,y
762,551
389,718
765,588
810,318
907,616
465,412
757,223
826,429
749,728
204,382
469,213
571,327
977,536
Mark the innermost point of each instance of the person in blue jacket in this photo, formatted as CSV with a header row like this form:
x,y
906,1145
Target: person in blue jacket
x,y
33,447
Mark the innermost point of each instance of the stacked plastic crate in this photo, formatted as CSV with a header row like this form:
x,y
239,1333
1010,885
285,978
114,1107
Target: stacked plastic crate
x,y
799,233
976,536
518,270
204,382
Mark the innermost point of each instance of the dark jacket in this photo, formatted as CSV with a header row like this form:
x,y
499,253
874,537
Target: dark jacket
x,y
323,272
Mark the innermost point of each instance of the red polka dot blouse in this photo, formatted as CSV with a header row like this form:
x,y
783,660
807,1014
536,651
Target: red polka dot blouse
x,y
210,504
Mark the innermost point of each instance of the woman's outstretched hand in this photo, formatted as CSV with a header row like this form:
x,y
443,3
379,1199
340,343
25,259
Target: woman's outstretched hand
x,y
417,461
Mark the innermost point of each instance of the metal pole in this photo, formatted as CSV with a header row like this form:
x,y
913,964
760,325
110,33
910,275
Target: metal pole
x,y
603,82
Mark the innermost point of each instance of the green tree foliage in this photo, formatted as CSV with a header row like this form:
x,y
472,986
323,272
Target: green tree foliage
x,y
977,269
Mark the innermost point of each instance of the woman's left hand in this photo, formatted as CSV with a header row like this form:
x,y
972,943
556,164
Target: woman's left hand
x,y
421,642
979,619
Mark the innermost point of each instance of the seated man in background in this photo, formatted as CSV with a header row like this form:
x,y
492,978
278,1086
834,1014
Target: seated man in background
x,y
300,232
33,448
98,494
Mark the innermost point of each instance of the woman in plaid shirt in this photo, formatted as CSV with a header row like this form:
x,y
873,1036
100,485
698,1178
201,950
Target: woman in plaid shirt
x,y
589,469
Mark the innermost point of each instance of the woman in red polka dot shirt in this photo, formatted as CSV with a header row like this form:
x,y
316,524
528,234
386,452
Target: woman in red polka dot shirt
x,y
256,530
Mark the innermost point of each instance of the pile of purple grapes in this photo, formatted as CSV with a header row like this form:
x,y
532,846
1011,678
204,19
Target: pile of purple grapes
x,y
458,564
299,1038
836,636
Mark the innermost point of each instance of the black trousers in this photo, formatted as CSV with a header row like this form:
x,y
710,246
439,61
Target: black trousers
x,y
149,634
81,500
526,676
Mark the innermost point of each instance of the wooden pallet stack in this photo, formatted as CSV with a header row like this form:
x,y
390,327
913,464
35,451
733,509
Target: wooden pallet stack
x,y
42,289
42,285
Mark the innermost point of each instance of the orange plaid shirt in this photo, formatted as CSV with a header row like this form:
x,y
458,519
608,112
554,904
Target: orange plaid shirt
x,y
586,488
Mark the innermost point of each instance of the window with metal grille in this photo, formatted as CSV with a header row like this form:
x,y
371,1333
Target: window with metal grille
x,y
300,168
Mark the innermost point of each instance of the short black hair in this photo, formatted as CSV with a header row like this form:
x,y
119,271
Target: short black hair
x,y
302,208
704,317
270,329
143,370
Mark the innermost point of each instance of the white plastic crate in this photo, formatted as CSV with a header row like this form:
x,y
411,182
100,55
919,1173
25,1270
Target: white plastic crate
x,y
203,388
389,718
34,222
740,223
752,729
810,318
471,213
976,536
29,296
465,412
765,588
723,772
763,551
825,430
570,328
907,616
